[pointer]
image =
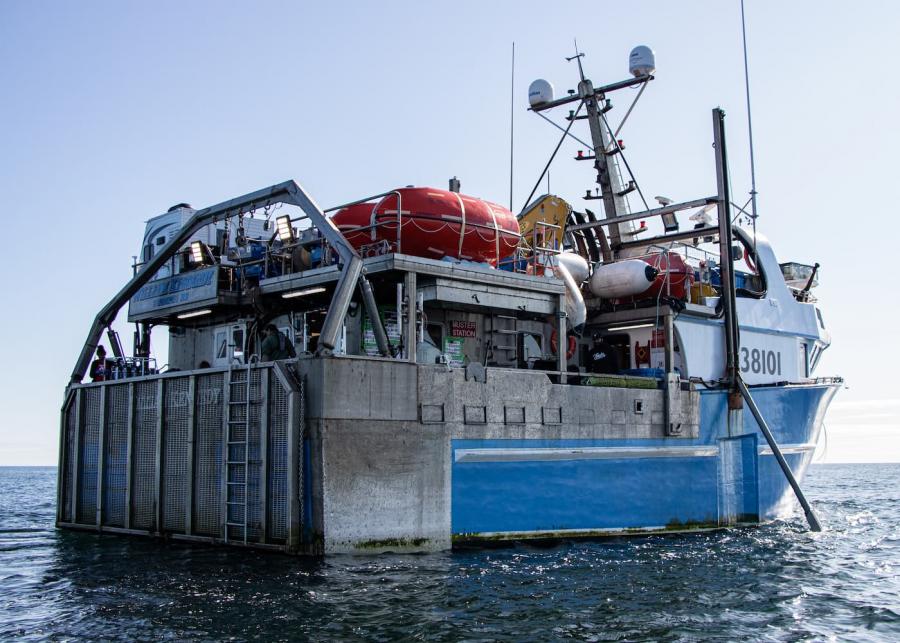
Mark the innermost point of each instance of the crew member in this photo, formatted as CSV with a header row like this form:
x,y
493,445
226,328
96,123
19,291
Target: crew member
x,y
100,367
275,345
603,356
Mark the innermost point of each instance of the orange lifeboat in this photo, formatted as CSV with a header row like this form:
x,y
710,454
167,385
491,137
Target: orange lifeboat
x,y
433,223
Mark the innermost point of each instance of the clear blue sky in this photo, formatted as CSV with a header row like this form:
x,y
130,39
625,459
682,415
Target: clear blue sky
x,y
113,111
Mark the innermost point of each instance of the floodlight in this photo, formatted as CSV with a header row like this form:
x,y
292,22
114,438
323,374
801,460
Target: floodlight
x,y
301,293
194,313
285,229
197,252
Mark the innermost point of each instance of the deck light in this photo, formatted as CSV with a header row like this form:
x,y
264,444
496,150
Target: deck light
x,y
285,230
633,326
301,293
194,313
197,254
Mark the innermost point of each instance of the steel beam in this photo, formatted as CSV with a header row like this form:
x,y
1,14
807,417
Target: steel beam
x,y
76,466
644,214
191,456
263,417
101,455
288,192
129,456
158,464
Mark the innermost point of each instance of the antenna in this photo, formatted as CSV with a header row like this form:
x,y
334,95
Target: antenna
x,y
578,56
753,213
512,120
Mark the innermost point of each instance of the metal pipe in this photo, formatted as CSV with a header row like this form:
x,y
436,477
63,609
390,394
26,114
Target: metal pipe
x,y
371,305
343,293
410,332
785,467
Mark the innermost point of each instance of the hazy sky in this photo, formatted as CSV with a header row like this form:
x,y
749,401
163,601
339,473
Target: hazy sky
x,y
113,111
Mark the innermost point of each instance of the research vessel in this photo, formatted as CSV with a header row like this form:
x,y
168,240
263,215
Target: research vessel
x,y
423,369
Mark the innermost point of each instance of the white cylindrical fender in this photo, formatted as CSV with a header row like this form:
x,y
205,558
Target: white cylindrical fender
x,y
576,265
575,308
622,279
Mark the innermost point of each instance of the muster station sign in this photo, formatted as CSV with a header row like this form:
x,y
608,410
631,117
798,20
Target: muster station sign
x,y
462,329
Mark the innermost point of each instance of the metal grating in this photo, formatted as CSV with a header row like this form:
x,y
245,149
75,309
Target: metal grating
x,y
143,462
177,405
207,520
278,461
70,447
254,513
116,466
161,468
86,511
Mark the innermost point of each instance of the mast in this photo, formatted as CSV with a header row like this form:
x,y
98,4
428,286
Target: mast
x,y
608,177
603,144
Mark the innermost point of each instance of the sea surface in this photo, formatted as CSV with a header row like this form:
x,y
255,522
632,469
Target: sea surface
x,y
776,582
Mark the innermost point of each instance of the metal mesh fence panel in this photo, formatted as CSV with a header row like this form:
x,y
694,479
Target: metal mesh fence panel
x,y
254,511
208,448
90,452
278,461
175,482
143,461
116,455
71,447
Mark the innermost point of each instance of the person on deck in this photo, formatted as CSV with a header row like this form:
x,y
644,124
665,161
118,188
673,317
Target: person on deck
x,y
275,345
602,356
100,367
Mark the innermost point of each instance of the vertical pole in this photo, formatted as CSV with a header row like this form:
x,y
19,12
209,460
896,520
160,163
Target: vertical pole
x,y
294,449
62,459
129,455
191,455
726,266
512,121
562,341
609,181
726,263
158,465
264,383
101,455
669,336
76,466
226,452
411,317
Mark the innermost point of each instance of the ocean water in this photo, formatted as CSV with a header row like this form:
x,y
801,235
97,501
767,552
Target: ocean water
x,y
776,582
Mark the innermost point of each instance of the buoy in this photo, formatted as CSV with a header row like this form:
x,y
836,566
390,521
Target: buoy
x,y
622,279
576,265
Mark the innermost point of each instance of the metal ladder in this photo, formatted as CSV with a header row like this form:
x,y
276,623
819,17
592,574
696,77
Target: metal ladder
x,y
237,451
503,331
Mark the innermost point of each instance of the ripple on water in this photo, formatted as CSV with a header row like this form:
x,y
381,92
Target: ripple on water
x,y
775,582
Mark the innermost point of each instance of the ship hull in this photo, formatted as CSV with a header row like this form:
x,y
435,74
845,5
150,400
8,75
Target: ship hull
x,y
366,455
544,488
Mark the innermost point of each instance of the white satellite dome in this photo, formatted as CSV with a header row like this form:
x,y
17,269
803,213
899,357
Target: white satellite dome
x,y
642,61
540,92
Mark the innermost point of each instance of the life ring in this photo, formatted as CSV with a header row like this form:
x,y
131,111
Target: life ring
x,y
554,344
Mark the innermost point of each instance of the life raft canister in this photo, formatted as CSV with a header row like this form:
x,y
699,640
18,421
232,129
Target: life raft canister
x,y
434,223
